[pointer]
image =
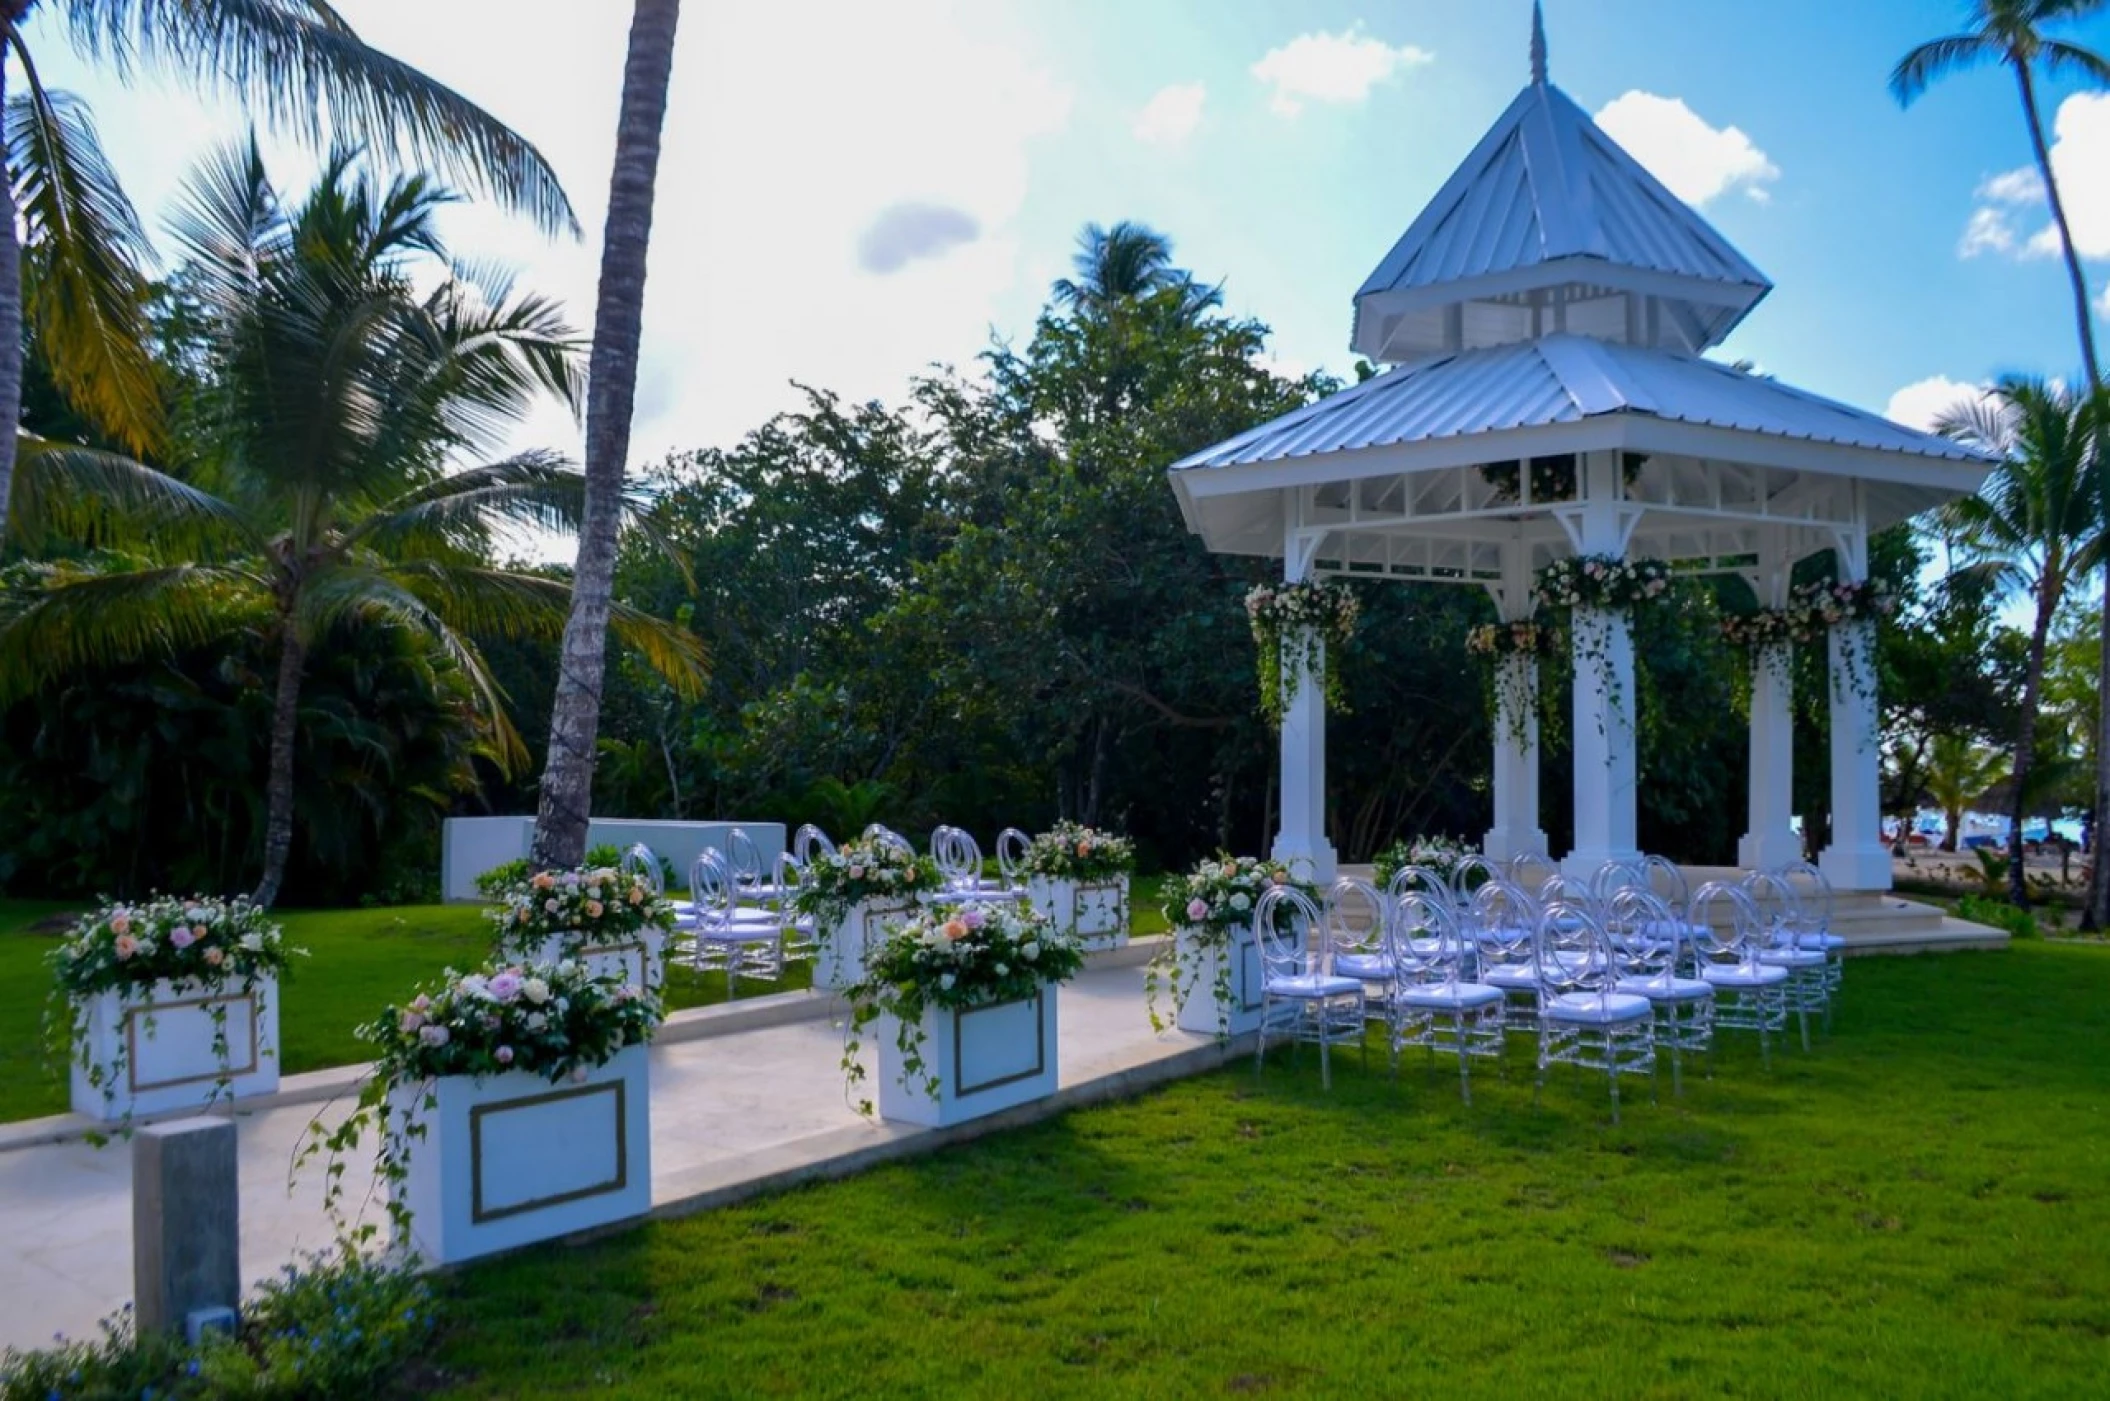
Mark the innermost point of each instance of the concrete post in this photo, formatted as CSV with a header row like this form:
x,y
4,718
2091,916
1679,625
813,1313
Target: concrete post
x,y
1857,859
1771,842
186,1221
1303,834
1516,725
1606,701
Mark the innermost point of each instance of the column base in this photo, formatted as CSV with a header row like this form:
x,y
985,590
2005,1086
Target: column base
x,y
1857,867
1314,861
1503,845
1769,851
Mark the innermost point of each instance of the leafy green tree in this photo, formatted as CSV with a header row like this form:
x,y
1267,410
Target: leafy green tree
x,y
2034,526
567,778
70,244
339,393
1958,774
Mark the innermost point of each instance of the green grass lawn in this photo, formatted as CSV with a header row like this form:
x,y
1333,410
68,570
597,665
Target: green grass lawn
x,y
1916,1209
359,961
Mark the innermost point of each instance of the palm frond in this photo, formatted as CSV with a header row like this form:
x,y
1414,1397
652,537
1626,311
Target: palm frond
x,y
99,498
63,619
534,489
1936,59
307,72
83,248
2062,59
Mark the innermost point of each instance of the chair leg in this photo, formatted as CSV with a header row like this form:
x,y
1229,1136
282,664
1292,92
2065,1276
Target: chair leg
x,y
1804,1017
1325,1062
1677,1081
1465,1079
1609,1058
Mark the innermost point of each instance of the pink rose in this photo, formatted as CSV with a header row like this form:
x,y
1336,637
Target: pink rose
x,y
182,938
1197,909
121,923
503,1055
434,1034
505,986
199,931
857,873
213,956
126,946
594,908
408,1022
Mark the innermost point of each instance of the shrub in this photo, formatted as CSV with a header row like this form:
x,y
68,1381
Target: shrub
x,y
1998,914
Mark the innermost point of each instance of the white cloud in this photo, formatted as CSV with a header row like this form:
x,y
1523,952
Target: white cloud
x,y
1171,115
1920,405
2080,153
905,232
1334,68
1695,161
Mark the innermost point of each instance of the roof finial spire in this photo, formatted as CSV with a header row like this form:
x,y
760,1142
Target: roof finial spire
x,y
1538,44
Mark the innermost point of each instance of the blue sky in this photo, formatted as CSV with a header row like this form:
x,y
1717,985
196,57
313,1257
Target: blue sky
x,y
853,190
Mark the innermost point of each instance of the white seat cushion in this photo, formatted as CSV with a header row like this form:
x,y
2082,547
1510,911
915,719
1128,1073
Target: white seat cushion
x,y
1370,967
1743,975
1597,1009
1314,985
1516,977
1667,989
1792,958
1448,996
1820,941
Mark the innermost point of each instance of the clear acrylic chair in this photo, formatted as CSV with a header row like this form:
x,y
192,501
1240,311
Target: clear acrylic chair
x,y
1530,869
881,835
1299,996
1418,880
1612,877
1357,923
743,860
1727,934
1653,950
801,931
1503,923
810,841
1584,1020
958,857
1780,913
1469,875
738,939
1011,846
1668,883
1432,1002
1813,930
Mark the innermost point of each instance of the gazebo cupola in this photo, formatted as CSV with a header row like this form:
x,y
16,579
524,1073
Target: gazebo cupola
x,y
1549,227
1546,318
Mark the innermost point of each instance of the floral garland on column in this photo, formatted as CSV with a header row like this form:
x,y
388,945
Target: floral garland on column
x,y
1812,611
1496,643
1605,582
1291,623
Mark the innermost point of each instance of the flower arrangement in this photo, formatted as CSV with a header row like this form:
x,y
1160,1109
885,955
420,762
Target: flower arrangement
x,y
1552,478
554,1020
859,871
1072,851
1292,625
1207,904
1523,638
971,957
587,906
1601,581
1441,855
195,943
1812,610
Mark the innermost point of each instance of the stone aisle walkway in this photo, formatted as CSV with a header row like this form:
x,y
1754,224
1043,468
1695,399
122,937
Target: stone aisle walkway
x,y
732,1114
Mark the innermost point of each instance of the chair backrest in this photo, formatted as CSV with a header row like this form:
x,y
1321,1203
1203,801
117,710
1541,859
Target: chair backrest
x,y
1530,869
1562,889
1723,923
1813,897
1570,952
789,875
1469,875
642,860
1287,927
1645,937
711,887
1427,943
1504,919
1614,876
1011,847
886,836
959,857
1668,882
808,840
743,857
1409,879
1358,918
1779,911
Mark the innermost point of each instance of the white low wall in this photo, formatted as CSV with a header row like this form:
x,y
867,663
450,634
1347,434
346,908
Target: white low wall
x,y
469,846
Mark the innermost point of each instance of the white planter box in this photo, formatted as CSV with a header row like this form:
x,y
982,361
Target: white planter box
x,y
165,1035
844,947
638,959
1201,1012
1094,911
984,1058
513,1159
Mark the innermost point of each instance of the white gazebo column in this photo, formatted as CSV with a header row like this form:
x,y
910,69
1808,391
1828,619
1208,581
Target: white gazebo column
x,y
1605,698
1302,837
1516,726
1857,859
1771,841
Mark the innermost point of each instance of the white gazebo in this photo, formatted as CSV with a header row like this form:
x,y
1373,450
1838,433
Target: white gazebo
x,y
1546,318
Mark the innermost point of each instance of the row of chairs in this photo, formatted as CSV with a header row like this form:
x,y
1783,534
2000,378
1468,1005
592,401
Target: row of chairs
x,y
1603,973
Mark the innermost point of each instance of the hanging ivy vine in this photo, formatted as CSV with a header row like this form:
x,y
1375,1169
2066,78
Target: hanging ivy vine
x,y
1605,583
1813,611
1293,626
1511,686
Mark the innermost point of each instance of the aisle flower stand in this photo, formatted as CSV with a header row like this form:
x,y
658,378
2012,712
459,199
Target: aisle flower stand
x,y
855,895
1212,968
847,943
1094,911
638,958
174,1045
508,1160
615,922
1221,969
981,1060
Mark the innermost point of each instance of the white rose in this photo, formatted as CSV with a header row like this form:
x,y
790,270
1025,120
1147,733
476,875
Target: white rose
x,y
535,990
947,981
1030,950
253,942
1241,902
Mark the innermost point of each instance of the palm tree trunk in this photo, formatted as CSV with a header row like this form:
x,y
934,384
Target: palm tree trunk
x,y
2026,739
278,783
2083,313
567,781
10,310
2095,914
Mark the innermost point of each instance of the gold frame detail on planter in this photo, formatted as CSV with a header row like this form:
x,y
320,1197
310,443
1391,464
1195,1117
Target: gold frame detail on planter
x,y
1040,1046
626,948
479,1216
230,1072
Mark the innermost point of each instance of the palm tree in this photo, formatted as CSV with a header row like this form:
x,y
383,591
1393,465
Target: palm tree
x,y
338,395
69,242
2035,525
566,800
1958,773
2011,32
1127,263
